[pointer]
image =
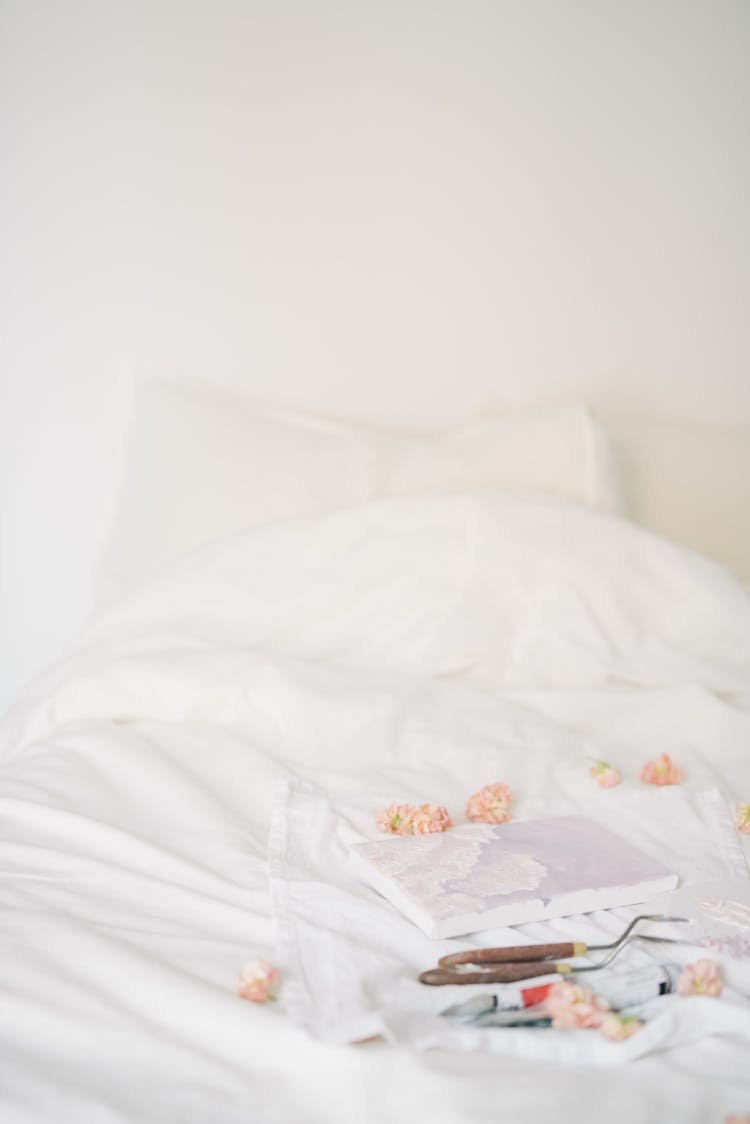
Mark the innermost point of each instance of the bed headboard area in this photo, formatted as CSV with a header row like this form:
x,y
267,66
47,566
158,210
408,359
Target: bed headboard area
x,y
202,463
413,218
688,483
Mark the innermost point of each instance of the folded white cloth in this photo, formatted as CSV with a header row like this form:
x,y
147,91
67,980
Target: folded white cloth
x,y
351,960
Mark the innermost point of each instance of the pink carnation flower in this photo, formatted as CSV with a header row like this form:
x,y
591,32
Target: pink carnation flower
x,y
395,819
430,818
256,981
619,1027
569,1005
742,820
701,978
661,770
490,804
735,1119
402,819
605,774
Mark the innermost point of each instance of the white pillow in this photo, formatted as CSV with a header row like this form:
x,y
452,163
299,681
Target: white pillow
x,y
202,465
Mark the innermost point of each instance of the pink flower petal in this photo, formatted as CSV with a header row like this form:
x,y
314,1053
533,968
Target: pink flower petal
x,y
618,1028
742,818
430,818
570,1005
661,770
605,774
256,981
395,819
490,805
402,819
701,978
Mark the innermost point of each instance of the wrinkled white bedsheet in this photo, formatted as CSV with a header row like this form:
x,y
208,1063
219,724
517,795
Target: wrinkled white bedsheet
x,y
417,647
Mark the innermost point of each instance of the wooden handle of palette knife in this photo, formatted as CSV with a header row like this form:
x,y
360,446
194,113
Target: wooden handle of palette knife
x,y
498,973
515,953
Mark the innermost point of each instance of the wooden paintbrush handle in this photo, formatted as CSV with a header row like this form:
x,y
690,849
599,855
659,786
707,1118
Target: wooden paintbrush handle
x,y
515,953
500,973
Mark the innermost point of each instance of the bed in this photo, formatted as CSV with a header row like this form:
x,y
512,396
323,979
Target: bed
x,y
178,796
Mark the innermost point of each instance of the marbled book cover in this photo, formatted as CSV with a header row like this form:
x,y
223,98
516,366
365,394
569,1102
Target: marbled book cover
x,y
478,876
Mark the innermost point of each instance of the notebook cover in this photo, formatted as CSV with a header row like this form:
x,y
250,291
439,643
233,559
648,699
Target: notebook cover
x,y
480,876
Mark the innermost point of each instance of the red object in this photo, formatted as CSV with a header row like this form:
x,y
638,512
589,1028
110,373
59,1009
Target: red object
x,y
530,996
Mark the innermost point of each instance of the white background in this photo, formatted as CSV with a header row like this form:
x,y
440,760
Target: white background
x,y
385,209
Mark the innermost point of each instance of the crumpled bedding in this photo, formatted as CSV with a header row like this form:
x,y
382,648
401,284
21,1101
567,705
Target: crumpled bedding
x,y
414,648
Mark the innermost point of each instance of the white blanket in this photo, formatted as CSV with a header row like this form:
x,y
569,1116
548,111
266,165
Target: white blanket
x,y
410,649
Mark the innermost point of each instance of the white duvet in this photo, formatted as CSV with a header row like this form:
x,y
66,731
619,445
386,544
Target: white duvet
x,y
411,649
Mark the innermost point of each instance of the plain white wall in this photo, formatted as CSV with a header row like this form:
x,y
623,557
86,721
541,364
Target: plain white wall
x,y
386,208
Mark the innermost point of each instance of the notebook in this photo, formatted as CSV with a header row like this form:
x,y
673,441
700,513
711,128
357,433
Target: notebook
x,y
480,876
